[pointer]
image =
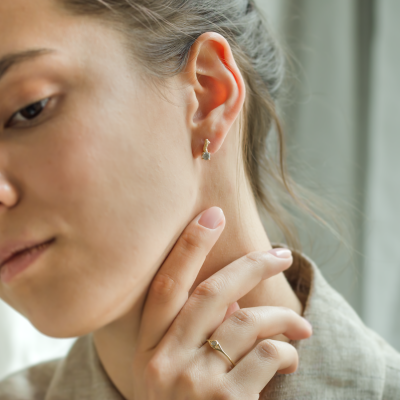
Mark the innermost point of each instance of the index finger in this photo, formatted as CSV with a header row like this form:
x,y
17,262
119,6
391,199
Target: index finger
x,y
170,287
205,309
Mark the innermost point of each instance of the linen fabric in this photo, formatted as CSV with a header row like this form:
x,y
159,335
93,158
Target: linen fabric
x,y
342,360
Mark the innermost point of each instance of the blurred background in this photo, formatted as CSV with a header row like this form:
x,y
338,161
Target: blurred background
x,y
342,117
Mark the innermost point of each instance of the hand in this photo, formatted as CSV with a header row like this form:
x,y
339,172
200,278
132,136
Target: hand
x,y
174,361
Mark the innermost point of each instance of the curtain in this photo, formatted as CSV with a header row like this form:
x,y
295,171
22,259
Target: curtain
x,y
342,114
381,296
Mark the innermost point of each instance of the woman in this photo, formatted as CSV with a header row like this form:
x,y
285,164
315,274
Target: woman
x,y
131,147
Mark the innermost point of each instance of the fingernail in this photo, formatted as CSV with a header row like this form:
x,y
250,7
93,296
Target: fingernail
x,y
281,253
212,217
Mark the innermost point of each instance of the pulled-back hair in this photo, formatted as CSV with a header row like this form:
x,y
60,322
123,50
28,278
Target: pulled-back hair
x,y
160,34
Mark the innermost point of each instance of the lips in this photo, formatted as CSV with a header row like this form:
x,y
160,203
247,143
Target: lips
x,y
7,255
15,262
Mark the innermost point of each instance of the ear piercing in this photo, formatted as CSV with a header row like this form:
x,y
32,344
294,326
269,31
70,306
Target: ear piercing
x,y
206,155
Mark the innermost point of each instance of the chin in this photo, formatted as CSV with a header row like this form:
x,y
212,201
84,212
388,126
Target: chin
x,y
61,330
71,302
65,324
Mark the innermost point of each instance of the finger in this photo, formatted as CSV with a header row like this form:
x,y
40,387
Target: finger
x,y
206,307
170,287
257,368
231,309
239,333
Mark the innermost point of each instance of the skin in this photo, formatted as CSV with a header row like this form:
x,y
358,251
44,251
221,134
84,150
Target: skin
x,y
113,171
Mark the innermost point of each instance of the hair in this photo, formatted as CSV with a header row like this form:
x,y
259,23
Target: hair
x,y
161,33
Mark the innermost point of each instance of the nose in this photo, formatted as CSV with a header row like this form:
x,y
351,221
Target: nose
x,y
8,194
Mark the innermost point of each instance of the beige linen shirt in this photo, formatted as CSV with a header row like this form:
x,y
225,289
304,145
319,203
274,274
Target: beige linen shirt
x,y
342,360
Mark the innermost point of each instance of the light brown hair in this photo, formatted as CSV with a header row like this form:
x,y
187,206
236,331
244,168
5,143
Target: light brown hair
x,y
160,34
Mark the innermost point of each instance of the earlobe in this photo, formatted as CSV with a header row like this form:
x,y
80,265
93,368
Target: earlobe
x,y
219,89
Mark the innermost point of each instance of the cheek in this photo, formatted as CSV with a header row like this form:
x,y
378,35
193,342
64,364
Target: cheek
x,y
115,198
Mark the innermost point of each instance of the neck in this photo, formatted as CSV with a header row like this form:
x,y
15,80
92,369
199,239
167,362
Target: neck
x,y
243,233
115,343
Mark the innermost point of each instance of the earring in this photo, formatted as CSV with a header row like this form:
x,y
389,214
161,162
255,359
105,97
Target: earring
x,y
206,155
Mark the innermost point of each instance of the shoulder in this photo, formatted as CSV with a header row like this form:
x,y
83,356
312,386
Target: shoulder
x,y
350,344
343,358
349,354
29,384
79,375
353,355
391,360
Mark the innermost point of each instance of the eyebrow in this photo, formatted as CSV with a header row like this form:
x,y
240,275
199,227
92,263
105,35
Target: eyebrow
x,y
10,60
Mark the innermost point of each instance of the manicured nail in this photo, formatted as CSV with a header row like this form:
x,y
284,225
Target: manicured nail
x,y
212,217
281,253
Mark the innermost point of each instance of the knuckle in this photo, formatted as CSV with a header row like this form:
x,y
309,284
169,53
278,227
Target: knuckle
x,y
245,317
256,257
189,242
226,391
267,350
187,382
163,286
211,287
223,393
157,373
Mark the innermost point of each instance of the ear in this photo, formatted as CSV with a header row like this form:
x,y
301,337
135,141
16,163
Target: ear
x,y
218,88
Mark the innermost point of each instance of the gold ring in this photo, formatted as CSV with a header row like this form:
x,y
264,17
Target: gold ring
x,y
216,346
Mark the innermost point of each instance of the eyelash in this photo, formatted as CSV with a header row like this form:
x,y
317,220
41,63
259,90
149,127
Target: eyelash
x,y
43,103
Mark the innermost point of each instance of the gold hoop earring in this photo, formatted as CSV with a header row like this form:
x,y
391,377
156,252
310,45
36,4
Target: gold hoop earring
x,y
206,155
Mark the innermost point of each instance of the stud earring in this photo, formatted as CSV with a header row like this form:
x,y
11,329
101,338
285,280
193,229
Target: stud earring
x,y
206,155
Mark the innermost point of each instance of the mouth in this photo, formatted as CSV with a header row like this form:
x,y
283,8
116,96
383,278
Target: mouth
x,y
21,260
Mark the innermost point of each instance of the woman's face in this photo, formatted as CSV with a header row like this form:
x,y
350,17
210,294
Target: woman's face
x,y
101,163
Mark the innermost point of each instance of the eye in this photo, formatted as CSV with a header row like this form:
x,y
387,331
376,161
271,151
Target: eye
x,y
28,113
